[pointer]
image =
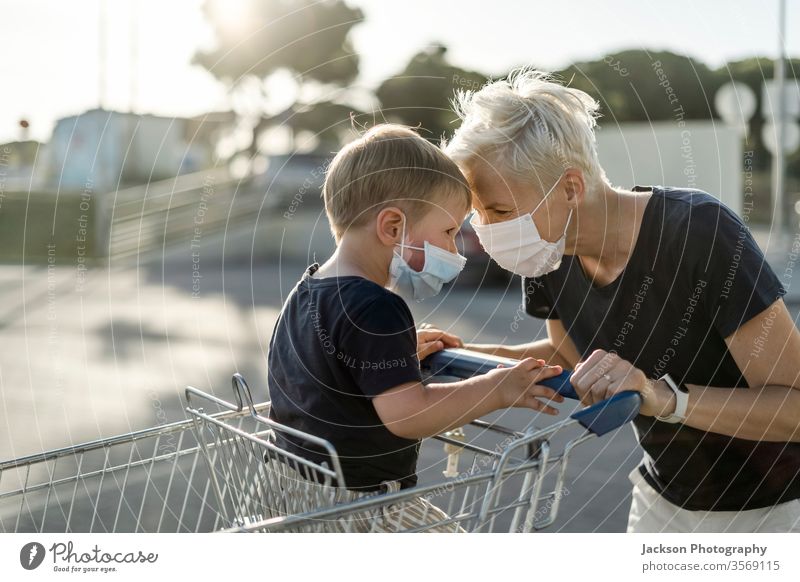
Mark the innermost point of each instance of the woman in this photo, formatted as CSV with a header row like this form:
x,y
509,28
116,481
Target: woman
x,y
659,290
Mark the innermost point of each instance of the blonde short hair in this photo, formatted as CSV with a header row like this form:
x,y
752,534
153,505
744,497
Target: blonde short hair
x,y
389,165
529,126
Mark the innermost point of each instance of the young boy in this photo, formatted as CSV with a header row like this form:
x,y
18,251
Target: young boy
x,y
343,360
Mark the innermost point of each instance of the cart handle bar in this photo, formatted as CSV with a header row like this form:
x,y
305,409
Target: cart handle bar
x,y
599,418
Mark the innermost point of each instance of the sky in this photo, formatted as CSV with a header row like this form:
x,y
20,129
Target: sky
x,y
51,66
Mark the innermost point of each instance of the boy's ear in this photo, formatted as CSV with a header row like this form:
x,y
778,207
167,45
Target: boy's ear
x,y
389,225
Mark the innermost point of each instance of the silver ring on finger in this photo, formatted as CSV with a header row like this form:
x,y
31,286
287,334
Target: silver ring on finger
x,y
608,380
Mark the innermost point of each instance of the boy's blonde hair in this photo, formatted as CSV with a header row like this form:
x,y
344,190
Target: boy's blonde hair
x,y
389,165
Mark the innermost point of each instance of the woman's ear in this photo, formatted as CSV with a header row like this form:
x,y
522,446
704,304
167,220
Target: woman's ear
x,y
574,186
389,226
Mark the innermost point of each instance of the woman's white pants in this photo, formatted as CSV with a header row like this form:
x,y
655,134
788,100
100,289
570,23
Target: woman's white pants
x,y
650,512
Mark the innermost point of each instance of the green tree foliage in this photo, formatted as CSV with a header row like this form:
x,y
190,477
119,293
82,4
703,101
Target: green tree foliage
x,y
633,85
753,72
307,37
310,39
420,94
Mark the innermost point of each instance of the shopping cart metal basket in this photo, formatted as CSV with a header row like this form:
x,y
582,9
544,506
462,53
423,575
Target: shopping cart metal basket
x,y
178,477
152,480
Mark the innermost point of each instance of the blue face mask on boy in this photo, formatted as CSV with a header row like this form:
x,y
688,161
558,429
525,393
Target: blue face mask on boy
x,y
440,267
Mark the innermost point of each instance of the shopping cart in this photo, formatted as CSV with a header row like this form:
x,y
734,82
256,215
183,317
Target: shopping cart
x,y
515,483
152,480
217,472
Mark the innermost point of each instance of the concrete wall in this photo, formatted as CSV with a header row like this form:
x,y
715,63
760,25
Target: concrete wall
x,y
700,154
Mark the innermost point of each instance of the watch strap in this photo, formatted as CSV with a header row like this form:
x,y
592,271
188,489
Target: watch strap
x,y
681,401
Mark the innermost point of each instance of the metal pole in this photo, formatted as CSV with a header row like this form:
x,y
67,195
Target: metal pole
x,y
134,15
101,54
780,158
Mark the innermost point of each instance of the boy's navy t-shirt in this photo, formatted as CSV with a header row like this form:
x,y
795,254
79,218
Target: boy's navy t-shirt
x,y
694,277
339,342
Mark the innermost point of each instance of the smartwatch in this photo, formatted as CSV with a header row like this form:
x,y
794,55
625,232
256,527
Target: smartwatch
x,y
681,400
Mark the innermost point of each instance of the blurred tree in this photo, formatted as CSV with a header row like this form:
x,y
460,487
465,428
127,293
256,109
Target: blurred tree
x,y
753,72
629,88
258,40
421,93
632,85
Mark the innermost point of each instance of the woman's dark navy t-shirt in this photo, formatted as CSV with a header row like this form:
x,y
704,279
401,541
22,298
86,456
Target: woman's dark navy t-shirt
x,y
694,277
339,342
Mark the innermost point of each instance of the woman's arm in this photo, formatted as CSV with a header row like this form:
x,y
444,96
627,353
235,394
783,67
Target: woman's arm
x,y
766,349
556,349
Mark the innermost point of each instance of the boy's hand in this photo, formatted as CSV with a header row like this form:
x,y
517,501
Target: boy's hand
x,y
519,386
431,340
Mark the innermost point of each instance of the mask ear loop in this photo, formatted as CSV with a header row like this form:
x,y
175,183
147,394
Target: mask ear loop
x,y
403,239
402,244
548,193
569,217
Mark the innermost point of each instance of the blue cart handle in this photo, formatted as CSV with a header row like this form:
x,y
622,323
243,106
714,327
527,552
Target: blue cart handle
x,y
599,418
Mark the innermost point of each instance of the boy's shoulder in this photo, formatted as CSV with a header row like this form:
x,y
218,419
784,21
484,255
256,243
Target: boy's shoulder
x,y
362,302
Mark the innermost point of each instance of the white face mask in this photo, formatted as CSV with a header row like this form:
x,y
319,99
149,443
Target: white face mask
x,y
516,245
440,267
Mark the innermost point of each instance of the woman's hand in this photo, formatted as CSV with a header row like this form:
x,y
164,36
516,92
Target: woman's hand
x,y
431,340
604,374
